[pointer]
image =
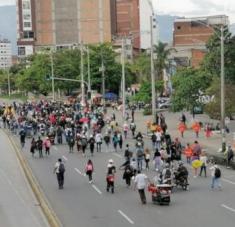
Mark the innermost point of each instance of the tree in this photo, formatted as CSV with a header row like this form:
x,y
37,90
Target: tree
x,y
188,84
161,62
145,92
213,109
141,67
32,78
212,60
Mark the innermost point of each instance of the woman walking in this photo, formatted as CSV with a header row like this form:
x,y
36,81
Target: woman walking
x,y
89,170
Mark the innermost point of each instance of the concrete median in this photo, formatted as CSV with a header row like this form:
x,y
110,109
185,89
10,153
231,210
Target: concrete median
x,y
50,215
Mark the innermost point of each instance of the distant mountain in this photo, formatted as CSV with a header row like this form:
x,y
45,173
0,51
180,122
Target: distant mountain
x,y
8,25
166,24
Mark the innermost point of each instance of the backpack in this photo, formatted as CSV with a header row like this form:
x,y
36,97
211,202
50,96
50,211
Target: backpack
x,y
140,153
61,168
89,167
217,173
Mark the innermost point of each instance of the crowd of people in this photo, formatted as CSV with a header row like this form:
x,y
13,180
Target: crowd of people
x,y
89,129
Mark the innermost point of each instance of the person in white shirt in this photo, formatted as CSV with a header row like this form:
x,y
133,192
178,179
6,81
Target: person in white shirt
x,y
98,140
59,169
140,183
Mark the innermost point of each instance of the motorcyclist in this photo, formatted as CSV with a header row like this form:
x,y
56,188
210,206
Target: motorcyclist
x,y
166,175
182,172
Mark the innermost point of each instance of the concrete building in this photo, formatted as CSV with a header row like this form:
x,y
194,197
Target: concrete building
x,y
190,37
5,54
62,24
25,27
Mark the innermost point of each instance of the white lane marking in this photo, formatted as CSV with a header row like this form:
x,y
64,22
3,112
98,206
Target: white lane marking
x,y
126,217
228,208
118,155
55,148
97,189
65,158
228,181
77,170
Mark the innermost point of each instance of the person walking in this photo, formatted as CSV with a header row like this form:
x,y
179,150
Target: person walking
x,y
115,141
216,175
147,158
229,156
182,128
33,147
47,145
133,128
89,170
98,140
71,143
127,175
120,140
203,159
188,152
107,140
110,176
22,138
125,129
140,184
91,141
84,144
59,169
39,146
139,156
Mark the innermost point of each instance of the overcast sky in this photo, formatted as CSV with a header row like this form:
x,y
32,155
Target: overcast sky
x,y
186,8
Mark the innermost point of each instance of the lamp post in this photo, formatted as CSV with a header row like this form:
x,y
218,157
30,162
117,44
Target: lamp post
x,y
82,75
152,72
123,79
52,76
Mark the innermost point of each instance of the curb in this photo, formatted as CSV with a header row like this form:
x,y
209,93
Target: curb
x,y
50,215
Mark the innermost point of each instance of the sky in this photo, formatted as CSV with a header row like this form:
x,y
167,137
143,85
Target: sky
x,y
187,8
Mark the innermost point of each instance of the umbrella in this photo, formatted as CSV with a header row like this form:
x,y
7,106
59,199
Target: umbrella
x,y
196,164
84,120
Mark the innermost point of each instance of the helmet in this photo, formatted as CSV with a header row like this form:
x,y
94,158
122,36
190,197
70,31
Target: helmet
x,y
181,163
167,165
110,161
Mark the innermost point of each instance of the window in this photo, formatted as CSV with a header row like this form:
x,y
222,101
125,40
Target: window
x,y
27,24
27,17
28,34
26,5
21,51
178,27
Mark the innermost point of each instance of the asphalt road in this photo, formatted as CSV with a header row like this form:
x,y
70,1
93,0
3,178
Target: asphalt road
x,y
18,206
87,205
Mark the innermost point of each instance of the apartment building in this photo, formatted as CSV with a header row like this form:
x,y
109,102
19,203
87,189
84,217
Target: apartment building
x,y
191,35
5,54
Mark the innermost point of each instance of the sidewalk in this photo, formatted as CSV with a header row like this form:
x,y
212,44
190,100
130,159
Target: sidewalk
x,y
211,145
18,204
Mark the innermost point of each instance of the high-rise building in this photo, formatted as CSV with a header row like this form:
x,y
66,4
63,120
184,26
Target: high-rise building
x,y
61,24
25,27
5,54
191,35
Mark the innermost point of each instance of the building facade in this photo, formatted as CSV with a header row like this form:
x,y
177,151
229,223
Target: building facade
x,y
191,35
62,24
5,54
25,27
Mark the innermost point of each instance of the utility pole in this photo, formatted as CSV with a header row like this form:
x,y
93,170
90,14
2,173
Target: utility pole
x,y
222,120
103,78
82,75
152,72
52,76
89,69
123,80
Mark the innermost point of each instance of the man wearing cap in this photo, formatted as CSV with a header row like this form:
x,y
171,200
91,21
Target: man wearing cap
x,y
110,176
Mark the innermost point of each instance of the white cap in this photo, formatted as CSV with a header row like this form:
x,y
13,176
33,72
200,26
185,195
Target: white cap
x,y
110,160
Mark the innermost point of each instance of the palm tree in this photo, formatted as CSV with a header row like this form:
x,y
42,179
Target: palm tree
x,y
161,62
